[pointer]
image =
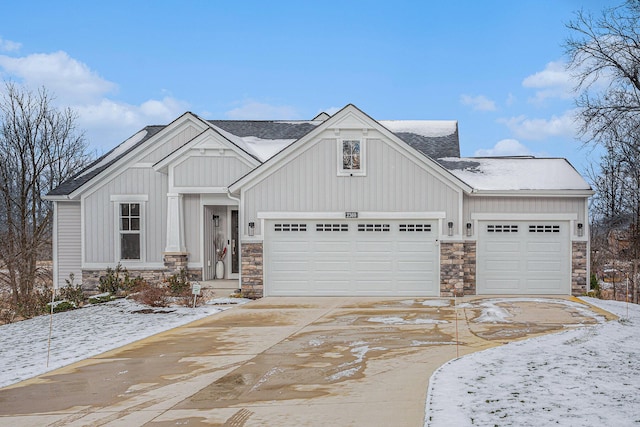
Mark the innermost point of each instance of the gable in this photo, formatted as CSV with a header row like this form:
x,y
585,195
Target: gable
x,y
348,122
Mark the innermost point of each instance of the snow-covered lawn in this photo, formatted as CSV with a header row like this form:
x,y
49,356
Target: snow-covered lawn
x,y
583,377
79,334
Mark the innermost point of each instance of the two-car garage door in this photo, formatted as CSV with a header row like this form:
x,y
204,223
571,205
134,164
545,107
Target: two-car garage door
x,y
351,257
523,257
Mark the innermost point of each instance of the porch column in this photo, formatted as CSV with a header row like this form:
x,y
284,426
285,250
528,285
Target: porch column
x,y
175,224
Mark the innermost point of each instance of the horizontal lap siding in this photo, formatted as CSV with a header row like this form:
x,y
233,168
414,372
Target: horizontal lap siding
x,y
309,183
100,223
69,242
209,171
538,205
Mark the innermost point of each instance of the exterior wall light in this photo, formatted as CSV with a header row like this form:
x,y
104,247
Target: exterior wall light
x,y
450,227
580,229
252,228
469,230
216,220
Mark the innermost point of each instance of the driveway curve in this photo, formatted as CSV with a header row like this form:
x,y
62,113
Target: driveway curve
x,y
286,362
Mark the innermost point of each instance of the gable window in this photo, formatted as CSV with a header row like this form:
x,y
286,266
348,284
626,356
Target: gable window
x,y
130,227
351,157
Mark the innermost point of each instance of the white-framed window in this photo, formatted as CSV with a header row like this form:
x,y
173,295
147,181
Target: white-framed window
x,y
130,232
130,236
351,157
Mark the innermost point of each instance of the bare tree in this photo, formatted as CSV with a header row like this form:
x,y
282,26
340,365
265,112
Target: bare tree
x,y
39,148
604,58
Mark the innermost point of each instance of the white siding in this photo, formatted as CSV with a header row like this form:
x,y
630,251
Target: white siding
x,y
167,147
309,183
543,205
99,213
68,242
209,171
192,220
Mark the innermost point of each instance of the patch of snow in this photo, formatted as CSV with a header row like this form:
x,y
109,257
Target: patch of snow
x,y
264,149
407,302
436,303
315,343
512,173
582,377
82,333
491,313
427,128
227,301
344,374
116,152
390,320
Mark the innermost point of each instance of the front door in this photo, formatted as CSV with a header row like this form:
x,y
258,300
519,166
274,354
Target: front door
x,y
235,246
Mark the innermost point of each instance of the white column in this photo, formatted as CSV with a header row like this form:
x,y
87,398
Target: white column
x,y
175,224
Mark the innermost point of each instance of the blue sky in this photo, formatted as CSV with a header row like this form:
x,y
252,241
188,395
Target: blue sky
x,y
495,66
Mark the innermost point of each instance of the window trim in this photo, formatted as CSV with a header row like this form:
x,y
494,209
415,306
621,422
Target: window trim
x,y
363,158
117,202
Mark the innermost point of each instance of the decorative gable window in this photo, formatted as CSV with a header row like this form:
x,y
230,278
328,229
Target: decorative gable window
x,y
351,157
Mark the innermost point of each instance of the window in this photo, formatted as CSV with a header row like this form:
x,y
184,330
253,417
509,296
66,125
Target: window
x,y
351,157
130,227
290,227
415,227
502,228
373,227
332,227
544,229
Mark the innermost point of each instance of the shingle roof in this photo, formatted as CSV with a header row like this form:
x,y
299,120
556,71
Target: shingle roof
x,y
443,143
516,173
86,174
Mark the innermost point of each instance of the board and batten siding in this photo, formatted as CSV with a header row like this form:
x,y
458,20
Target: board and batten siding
x,y
100,221
68,242
192,220
170,145
309,183
525,205
209,171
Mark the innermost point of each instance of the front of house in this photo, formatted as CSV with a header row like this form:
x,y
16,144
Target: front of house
x,y
339,205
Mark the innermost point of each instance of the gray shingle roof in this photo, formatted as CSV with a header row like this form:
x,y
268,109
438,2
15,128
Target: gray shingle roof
x,y
79,179
432,146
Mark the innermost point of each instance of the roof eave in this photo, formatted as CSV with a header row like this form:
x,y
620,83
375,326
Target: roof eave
x,y
534,193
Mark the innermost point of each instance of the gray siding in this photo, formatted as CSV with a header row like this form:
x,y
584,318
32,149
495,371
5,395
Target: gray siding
x,y
99,215
167,147
69,242
309,183
192,220
208,171
537,205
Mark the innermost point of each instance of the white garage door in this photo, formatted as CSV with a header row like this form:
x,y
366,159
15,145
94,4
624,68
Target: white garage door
x,y
523,257
351,257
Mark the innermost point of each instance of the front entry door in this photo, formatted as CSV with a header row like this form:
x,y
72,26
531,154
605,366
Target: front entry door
x,y
235,244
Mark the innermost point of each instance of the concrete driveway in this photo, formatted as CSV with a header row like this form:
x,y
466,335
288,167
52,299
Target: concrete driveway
x,y
285,362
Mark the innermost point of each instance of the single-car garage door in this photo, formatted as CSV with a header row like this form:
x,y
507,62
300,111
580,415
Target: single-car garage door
x,y
523,257
351,257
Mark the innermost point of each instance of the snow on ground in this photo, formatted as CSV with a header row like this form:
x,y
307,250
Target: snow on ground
x,y
80,334
582,377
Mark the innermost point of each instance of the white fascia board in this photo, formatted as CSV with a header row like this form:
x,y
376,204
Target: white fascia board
x,y
524,216
129,198
59,198
534,193
130,158
361,215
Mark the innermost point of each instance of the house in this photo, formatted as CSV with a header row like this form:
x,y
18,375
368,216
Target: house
x,y
338,205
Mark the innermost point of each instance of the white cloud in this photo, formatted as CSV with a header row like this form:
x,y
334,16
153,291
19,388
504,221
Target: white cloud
x,y
71,80
554,81
107,121
253,110
505,147
478,103
537,129
9,46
